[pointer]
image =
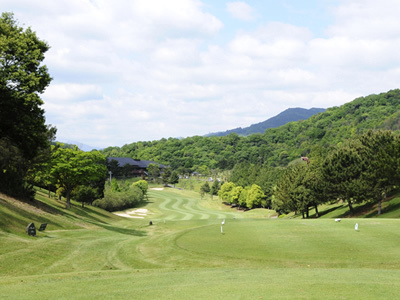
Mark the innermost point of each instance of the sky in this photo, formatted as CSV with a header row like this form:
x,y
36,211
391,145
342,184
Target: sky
x,y
140,70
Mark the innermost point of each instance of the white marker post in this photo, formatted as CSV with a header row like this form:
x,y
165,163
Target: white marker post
x,y
223,222
356,227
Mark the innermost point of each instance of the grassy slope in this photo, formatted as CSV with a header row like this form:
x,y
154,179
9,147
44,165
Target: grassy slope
x,y
88,253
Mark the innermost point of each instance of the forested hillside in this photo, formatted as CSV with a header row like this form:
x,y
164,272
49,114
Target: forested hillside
x,y
289,115
276,146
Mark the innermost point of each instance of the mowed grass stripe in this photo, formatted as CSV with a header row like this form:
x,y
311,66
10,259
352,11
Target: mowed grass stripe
x,y
216,214
179,206
167,210
175,206
191,205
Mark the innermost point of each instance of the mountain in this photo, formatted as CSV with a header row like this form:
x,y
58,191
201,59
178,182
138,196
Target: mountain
x,y
276,146
72,144
289,115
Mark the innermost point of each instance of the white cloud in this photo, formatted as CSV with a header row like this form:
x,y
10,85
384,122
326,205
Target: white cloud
x,y
176,52
130,70
67,92
241,10
367,19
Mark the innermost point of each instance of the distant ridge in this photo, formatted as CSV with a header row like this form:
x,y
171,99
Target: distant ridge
x,y
72,144
289,115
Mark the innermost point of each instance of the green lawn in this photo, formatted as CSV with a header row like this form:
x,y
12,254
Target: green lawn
x,y
88,253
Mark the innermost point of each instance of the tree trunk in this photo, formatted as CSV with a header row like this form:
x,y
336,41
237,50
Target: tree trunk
x,y
350,207
307,212
302,212
68,204
379,207
380,202
316,210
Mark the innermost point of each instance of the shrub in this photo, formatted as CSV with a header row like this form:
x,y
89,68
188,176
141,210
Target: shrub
x,y
142,184
114,201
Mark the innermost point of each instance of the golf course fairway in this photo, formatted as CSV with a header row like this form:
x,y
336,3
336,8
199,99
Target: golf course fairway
x,y
198,249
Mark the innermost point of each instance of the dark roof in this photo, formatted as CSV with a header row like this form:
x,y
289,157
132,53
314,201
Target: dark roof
x,y
143,164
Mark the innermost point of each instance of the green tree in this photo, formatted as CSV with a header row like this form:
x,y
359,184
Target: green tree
x,y
204,189
243,196
266,177
174,178
241,174
381,155
306,190
215,188
301,194
313,180
255,197
342,171
226,188
234,194
113,167
70,168
84,194
204,170
154,171
166,175
23,132
283,200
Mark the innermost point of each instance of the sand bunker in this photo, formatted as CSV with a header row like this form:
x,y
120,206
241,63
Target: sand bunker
x,y
139,213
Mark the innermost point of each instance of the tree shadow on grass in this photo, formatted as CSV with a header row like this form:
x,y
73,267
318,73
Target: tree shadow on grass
x,y
15,218
81,212
39,204
96,211
358,211
370,209
390,208
325,212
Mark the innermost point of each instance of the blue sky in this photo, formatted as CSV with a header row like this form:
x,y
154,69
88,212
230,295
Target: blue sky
x,y
142,70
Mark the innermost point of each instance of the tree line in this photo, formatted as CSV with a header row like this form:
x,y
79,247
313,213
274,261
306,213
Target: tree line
x,y
362,169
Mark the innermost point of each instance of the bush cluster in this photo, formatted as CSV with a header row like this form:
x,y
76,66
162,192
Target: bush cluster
x,y
250,196
114,201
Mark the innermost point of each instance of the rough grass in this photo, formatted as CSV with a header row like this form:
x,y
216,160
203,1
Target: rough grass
x,y
88,253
